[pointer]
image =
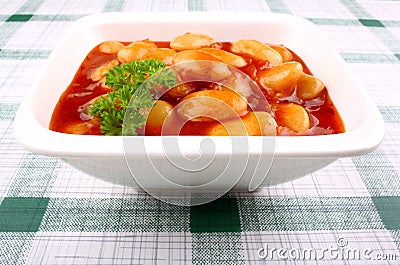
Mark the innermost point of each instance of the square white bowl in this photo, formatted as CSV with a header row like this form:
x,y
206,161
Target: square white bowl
x,y
292,157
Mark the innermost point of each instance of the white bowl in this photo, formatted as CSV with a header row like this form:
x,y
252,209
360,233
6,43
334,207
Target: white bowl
x,y
293,156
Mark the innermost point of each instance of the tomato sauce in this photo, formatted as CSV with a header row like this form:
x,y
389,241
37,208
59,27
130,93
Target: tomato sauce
x,y
67,116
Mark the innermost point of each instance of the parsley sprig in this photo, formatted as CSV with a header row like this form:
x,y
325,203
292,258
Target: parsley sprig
x,y
134,86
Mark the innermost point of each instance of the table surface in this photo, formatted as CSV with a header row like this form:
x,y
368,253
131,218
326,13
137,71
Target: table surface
x,y
51,213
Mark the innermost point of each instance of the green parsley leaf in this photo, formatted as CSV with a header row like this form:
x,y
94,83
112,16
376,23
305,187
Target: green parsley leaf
x,y
133,86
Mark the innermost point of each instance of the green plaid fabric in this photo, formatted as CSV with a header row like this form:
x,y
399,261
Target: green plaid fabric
x,y
51,213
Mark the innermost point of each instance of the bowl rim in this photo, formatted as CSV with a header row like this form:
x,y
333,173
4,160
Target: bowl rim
x,y
38,139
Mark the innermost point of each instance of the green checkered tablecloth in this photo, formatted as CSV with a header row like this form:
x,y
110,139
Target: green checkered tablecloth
x,y
51,213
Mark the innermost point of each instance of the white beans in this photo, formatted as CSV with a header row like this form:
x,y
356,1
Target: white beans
x,y
156,117
180,90
198,57
206,105
293,116
111,47
281,80
266,122
191,41
285,53
196,65
226,57
253,124
135,50
193,55
256,50
162,54
309,87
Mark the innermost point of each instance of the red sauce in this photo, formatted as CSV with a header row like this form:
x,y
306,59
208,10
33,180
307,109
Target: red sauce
x,y
67,118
